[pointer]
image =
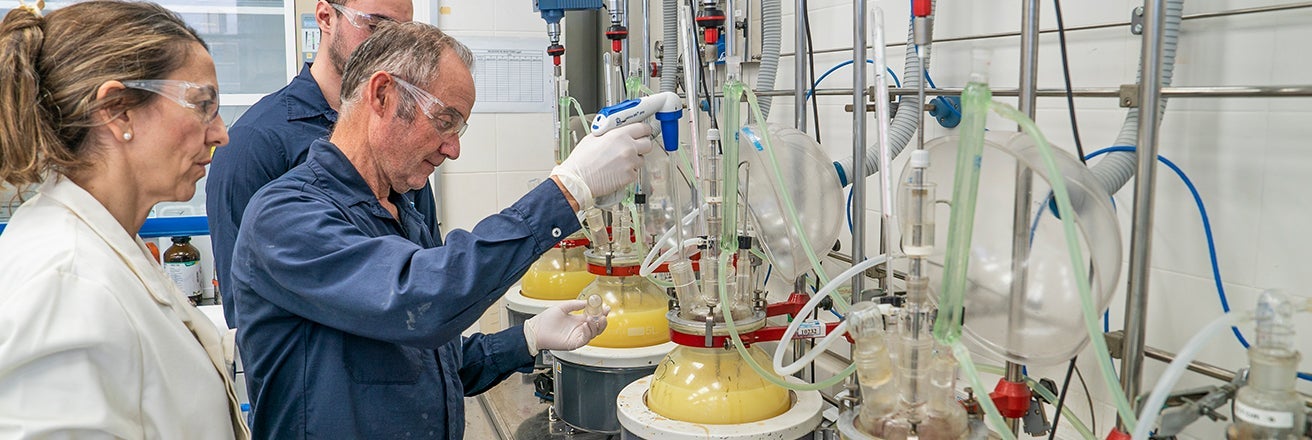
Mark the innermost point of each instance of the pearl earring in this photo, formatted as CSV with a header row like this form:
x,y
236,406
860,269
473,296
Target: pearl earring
x,y
127,136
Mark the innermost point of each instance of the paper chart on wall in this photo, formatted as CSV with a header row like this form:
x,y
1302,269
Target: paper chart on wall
x,y
511,75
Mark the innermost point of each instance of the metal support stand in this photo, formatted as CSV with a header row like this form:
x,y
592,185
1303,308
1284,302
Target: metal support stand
x,y
1020,242
1136,300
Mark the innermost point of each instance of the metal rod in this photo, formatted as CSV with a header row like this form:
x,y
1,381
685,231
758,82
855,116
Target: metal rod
x,y
730,34
1020,239
1287,91
646,43
1136,300
858,140
1202,15
1204,368
800,78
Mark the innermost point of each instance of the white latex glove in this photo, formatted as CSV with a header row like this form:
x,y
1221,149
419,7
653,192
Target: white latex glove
x,y
558,329
600,166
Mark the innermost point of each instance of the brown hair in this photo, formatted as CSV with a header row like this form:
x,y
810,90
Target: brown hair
x,y
53,67
408,50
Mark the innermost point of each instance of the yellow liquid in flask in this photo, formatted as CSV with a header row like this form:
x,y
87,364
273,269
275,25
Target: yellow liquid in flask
x,y
635,327
554,285
714,386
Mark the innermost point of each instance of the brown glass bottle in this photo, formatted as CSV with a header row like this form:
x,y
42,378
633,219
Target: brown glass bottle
x,y
182,264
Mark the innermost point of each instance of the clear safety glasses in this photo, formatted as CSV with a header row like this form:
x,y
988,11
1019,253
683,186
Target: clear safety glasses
x,y
202,99
361,20
447,120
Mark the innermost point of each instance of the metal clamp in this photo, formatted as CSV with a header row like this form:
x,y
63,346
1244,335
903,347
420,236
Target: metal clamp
x,y
1136,21
1129,95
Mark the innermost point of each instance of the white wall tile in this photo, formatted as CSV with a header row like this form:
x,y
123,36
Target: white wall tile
x,y
465,199
524,142
467,15
478,147
513,185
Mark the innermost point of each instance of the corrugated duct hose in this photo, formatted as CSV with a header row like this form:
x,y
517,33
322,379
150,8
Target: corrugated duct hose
x,y
903,126
1117,168
670,41
771,36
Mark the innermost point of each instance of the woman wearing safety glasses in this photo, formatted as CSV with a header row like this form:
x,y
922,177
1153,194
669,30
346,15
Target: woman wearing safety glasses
x,y
110,107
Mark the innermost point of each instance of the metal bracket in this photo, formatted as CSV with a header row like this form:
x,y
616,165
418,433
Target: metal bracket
x,y
1129,95
1136,21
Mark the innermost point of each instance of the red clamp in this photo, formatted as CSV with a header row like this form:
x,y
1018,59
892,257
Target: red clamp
x,y
790,307
1011,398
1118,434
616,34
555,51
764,334
921,8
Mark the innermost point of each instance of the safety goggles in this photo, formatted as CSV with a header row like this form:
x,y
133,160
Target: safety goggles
x,y
361,20
447,120
202,99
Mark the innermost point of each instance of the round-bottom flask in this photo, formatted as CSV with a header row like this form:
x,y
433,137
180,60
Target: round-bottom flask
x,y
637,307
560,274
714,386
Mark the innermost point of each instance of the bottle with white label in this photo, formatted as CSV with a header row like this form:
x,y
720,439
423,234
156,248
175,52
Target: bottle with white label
x,y
182,264
1269,407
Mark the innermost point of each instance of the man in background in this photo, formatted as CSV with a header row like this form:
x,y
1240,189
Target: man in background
x,y
275,134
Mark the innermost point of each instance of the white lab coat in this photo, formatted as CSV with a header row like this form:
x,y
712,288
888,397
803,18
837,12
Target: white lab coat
x,y
94,337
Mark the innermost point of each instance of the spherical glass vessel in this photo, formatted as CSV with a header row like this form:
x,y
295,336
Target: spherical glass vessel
x,y
714,386
559,274
637,306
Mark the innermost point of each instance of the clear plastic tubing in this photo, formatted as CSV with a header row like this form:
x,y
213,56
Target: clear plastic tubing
x,y
655,258
831,290
991,413
1162,390
975,101
885,150
1088,308
747,357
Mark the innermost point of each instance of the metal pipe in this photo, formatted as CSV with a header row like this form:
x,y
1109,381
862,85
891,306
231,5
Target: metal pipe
x,y
646,43
730,35
800,77
1201,15
858,140
1286,91
1136,300
1205,369
1020,239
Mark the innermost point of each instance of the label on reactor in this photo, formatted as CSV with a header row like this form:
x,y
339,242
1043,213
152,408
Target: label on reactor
x,y
1263,417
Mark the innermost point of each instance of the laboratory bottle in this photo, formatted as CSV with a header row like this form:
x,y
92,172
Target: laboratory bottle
x,y
182,264
1269,407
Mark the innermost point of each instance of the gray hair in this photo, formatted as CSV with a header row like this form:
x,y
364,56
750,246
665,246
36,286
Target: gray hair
x,y
410,51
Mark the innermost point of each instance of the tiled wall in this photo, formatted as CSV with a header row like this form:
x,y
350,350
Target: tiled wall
x,y
1248,156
